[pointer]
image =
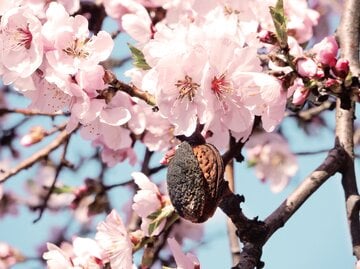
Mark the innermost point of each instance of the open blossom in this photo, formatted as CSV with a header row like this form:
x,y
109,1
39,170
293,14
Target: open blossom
x,y
147,200
21,44
73,47
83,253
115,242
272,158
183,261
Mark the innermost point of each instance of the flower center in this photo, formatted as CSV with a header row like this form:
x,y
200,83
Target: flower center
x,y
220,86
18,38
77,49
187,88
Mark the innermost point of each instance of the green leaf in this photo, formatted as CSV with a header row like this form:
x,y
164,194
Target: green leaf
x,y
138,58
63,189
279,19
158,216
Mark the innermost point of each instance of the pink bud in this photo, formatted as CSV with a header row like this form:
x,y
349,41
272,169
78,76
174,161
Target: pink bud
x,y
341,68
326,51
306,67
267,37
35,135
300,96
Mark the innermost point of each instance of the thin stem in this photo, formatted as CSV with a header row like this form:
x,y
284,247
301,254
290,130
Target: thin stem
x,y
62,163
41,154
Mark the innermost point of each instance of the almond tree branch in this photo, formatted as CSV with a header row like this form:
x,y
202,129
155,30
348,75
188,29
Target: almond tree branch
x,y
349,38
41,154
231,229
309,185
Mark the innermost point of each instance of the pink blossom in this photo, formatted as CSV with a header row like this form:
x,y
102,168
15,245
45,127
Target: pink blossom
x,y
56,258
300,96
112,157
9,256
267,99
39,7
272,158
179,95
306,67
20,43
147,200
7,5
301,19
224,83
73,47
183,261
298,92
115,241
138,25
47,89
83,253
326,51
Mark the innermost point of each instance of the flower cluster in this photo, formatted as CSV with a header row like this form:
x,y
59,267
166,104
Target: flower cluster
x,y
114,244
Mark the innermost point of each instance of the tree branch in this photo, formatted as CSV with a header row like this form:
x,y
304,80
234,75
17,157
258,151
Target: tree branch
x,y
309,185
349,37
231,229
43,153
348,34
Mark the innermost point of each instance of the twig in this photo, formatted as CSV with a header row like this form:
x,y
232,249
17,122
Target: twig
x,y
349,37
62,163
308,114
41,154
304,153
132,90
28,112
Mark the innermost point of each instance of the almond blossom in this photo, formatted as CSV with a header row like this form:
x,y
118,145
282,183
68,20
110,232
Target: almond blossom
x,y
115,241
148,200
82,253
183,261
73,47
272,158
21,44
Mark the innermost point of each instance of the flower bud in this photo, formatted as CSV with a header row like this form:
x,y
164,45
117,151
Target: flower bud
x,y
35,135
341,68
306,67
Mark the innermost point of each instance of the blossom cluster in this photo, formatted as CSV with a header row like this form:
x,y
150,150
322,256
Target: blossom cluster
x,y
203,65
114,244
217,81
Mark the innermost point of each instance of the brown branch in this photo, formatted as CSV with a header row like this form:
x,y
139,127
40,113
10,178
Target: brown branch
x,y
308,114
309,185
63,163
28,112
348,35
132,90
41,154
231,229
